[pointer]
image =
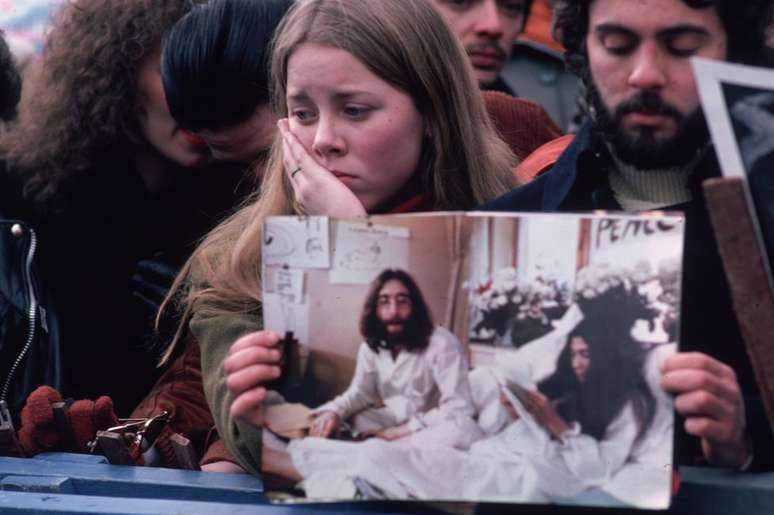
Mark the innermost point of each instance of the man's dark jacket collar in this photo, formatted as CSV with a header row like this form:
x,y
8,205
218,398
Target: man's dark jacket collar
x,y
578,181
565,171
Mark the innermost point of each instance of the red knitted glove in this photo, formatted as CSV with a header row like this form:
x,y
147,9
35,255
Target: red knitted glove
x,y
40,433
88,417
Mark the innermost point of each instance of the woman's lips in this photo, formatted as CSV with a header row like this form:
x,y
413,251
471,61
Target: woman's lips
x,y
193,140
344,177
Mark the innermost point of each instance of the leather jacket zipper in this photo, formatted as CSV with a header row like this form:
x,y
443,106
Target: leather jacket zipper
x,y
32,318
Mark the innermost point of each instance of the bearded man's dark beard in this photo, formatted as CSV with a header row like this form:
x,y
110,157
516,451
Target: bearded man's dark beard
x,y
391,339
641,147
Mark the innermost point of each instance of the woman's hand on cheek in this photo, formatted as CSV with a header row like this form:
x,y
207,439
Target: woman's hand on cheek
x,y
317,190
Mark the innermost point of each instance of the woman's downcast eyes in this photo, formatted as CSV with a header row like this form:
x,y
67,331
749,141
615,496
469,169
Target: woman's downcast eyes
x,y
302,115
355,112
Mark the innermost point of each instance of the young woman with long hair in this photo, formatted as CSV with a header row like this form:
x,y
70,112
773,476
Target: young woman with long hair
x,y
379,113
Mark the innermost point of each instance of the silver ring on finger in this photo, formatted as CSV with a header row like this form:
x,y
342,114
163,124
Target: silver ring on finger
x,y
294,171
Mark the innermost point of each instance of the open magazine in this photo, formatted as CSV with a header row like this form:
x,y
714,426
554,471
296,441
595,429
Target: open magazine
x,y
738,102
476,357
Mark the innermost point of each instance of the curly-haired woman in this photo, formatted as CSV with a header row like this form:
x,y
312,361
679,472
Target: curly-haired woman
x,y
100,169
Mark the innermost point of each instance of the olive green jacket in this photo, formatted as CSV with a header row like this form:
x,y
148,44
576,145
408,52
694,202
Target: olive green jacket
x,y
215,336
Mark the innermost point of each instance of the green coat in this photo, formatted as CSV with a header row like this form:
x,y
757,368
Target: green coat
x,y
215,335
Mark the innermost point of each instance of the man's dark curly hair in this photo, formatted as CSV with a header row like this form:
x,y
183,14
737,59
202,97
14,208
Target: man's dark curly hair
x,y
10,82
745,21
83,102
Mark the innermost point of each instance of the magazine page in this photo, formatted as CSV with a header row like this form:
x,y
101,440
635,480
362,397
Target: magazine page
x,y
476,357
738,102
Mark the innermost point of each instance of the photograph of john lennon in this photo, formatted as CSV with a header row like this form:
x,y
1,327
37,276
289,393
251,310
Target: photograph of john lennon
x,y
415,389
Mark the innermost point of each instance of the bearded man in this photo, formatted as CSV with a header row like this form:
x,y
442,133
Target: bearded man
x,y
646,147
410,374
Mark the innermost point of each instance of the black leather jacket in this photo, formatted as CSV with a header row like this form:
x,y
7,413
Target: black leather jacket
x,y
105,222
29,336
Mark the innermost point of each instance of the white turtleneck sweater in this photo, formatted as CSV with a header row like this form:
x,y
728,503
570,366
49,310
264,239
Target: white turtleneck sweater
x,y
646,190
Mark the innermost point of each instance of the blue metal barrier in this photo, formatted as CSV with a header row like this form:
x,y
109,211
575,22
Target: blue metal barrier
x,y
81,484
102,480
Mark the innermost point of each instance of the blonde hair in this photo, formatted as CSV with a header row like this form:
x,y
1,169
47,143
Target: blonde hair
x,y
407,44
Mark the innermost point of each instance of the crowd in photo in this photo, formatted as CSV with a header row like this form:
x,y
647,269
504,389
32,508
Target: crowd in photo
x,y
144,145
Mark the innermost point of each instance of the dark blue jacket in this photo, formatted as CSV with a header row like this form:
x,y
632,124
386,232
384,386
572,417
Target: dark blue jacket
x,y
578,182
